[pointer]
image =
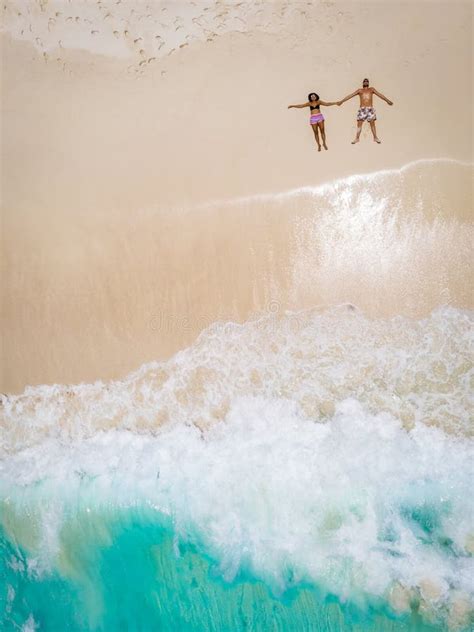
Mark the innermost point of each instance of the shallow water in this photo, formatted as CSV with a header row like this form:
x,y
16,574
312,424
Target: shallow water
x,y
228,411
143,285
307,469
311,470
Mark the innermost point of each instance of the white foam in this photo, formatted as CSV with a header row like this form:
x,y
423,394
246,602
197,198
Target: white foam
x,y
271,489
30,625
419,371
333,186
324,442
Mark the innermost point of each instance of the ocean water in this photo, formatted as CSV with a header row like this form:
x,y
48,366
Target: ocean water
x,y
306,470
309,469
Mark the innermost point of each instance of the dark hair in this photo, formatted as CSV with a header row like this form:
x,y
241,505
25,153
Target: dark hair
x,y
364,80
311,94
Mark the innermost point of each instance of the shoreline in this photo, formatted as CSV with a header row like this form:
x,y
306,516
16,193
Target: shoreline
x,y
322,186
295,251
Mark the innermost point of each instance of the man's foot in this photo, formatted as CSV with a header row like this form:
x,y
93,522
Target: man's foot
x,y
325,146
376,140
355,141
319,147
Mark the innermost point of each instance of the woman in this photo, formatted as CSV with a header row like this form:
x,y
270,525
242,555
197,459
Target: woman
x,y
316,119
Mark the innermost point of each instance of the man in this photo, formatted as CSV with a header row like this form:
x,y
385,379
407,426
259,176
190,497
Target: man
x,y
366,111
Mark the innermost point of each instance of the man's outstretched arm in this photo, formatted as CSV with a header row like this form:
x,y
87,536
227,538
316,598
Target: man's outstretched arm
x,y
349,96
379,94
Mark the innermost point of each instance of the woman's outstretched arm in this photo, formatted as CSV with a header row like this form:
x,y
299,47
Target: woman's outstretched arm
x,y
302,105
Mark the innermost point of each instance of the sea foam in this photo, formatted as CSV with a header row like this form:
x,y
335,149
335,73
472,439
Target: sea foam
x,y
312,448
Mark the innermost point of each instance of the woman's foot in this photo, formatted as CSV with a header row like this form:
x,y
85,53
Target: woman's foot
x,y
356,140
325,146
376,140
319,147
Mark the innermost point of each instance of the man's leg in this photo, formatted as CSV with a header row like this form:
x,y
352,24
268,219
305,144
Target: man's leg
x,y
374,131
316,135
359,129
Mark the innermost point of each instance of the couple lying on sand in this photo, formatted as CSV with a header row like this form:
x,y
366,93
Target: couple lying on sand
x,y
366,112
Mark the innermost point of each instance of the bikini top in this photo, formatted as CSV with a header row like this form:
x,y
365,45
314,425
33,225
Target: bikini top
x,y
314,107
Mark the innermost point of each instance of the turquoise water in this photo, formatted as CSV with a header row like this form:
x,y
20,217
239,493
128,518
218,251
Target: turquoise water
x,y
131,573
313,478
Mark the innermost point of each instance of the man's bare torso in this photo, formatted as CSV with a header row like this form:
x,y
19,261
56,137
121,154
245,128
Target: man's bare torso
x,y
366,97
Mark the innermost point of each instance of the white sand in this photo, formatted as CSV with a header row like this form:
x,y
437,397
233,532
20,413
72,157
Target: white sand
x,y
109,144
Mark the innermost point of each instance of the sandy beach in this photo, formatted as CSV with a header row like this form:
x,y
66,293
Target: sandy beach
x,y
236,387
117,246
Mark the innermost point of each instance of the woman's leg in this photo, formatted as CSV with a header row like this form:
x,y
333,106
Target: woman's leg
x,y
323,133
316,135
